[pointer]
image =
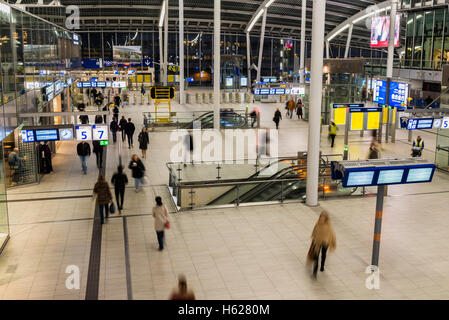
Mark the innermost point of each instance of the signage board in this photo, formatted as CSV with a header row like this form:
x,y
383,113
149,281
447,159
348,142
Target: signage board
x,y
99,133
360,178
390,176
46,135
243,81
65,134
229,81
27,135
420,123
83,133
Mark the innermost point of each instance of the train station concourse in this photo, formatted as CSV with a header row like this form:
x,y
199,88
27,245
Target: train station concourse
x,y
224,150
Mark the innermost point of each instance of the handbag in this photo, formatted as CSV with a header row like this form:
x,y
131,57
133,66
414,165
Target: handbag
x,y
167,225
112,208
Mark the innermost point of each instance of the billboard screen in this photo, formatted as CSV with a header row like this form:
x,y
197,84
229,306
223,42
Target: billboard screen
x,y
127,54
380,29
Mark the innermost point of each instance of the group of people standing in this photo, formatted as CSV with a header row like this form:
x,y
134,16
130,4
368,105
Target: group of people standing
x,y
290,106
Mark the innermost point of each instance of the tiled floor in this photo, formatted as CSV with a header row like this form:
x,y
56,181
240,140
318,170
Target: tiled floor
x,y
256,252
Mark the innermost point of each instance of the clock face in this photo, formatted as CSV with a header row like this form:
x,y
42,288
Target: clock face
x,y
66,134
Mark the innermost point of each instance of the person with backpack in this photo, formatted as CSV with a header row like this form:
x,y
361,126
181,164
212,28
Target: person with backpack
x,y
144,140
130,128
277,117
160,214
114,128
119,180
104,196
138,171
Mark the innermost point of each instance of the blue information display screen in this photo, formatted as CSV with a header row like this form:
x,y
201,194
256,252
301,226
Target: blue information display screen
x,y
46,135
360,178
390,176
420,175
423,123
380,91
398,94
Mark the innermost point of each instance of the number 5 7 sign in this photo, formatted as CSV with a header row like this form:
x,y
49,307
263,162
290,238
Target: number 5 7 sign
x,y
100,133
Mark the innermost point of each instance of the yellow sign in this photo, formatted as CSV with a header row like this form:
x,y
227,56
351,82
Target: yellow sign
x,y
394,115
373,121
385,115
139,78
170,78
357,120
148,78
339,116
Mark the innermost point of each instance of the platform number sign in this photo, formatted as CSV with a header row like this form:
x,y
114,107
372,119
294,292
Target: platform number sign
x,y
83,133
100,133
445,123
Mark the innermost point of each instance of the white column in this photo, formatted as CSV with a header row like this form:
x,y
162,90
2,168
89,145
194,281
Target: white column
x,y
302,78
181,51
248,58
316,85
390,56
348,40
217,25
262,36
327,49
161,55
166,44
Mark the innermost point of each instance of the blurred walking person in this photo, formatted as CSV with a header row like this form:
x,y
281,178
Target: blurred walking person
x,y
299,109
122,125
160,214
83,151
104,197
130,128
323,238
291,106
332,132
98,150
144,140
119,180
277,117
138,171
114,128
182,292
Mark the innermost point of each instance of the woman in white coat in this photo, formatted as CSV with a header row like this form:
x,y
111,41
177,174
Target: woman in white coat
x,y
160,215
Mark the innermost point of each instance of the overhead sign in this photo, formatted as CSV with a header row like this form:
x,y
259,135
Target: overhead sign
x,y
269,91
297,90
358,173
83,133
420,123
27,136
99,133
46,135
399,93
380,31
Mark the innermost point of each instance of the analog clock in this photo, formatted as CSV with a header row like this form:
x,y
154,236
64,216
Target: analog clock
x,y
65,134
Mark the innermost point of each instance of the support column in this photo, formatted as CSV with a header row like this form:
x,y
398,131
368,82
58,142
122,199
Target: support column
x,y
248,59
390,57
166,44
161,56
378,225
262,36
217,63
327,49
348,40
302,78
316,86
181,52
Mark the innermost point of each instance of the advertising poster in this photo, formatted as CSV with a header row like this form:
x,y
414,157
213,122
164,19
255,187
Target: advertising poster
x,y
380,29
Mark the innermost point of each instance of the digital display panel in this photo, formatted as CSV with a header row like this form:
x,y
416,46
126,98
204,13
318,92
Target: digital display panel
x,y
127,54
380,30
243,81
300,90
46,135
425,124
419,175
390,176
398,94
360,178
229,82
27,135
379,91
280,91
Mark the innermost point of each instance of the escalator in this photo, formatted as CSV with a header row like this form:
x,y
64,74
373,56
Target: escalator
x,y
228,119
277,190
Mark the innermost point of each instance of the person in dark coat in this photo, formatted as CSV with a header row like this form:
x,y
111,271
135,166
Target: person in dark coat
x,y
117,100
119,180
98,119
104,196
115,111
130,128
138,170
83,151
98,150
114,128
144,140
277,117
84,119
46,155
122,125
